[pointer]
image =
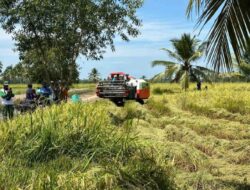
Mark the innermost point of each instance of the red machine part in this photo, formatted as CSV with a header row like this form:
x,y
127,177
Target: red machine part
x,y
143,93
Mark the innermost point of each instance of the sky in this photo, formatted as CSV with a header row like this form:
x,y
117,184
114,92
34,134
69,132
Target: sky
x,y
162,20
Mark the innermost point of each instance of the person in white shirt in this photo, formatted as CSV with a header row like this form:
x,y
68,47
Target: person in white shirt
x,y
7,102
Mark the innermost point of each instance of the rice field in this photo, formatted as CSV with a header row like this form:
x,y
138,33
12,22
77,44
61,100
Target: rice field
x,y
176,140
21,88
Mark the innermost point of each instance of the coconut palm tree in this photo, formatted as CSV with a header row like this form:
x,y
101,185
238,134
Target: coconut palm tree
x,y
230,29
187,49
94,75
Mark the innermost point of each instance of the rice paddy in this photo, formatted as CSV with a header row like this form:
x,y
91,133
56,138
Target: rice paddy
x,y
176,140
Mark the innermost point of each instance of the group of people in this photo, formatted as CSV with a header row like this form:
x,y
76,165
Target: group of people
x,y
199,86
118,77
56,91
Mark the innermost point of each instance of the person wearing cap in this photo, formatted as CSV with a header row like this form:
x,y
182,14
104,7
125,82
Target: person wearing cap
x,y
7,102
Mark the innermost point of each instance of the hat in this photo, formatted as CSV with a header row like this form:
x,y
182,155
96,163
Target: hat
x,y
6,83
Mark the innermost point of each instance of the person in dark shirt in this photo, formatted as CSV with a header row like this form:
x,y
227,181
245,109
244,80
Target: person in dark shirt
x,y
30,93
199,85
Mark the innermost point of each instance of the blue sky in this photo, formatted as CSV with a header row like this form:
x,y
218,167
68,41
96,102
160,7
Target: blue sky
x,y
162,21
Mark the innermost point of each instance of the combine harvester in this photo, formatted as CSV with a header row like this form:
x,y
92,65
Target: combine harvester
x,y
120,87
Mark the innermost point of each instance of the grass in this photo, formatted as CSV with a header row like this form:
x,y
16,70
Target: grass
x,y
66,147
177,140
205,135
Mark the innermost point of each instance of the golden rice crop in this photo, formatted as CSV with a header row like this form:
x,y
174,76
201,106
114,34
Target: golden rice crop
x,y
176,140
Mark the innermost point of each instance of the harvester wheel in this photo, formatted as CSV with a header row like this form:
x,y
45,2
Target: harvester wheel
x,y
141,101
118,102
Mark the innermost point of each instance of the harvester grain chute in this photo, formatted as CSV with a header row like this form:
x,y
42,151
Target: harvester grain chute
x,y
120,87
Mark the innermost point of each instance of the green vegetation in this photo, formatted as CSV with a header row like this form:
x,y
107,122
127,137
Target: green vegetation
x,y
67,147
230,29
186,140
177,140
187,50
50,35
94,75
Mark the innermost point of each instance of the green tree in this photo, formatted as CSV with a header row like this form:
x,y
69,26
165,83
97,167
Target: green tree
x,y
94,75
1,67
52,34
244,69
8,73
57,69
229,31
244,66
187,49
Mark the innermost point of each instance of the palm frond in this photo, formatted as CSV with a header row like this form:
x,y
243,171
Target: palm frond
x,y
201,74
230,29
178,75
162,63
186,46
159,77
196,5
171,71
203,46
197,55
173,54
204,69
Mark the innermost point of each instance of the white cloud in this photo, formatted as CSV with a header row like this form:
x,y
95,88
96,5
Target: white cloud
x,y
158,31
161,31
4,36
134,50
154,35
7,52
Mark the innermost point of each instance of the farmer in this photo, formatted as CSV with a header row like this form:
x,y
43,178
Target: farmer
x,y
8,106
63,91
199,85
45,90
30,93
55,88
127,77
113,77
